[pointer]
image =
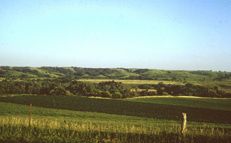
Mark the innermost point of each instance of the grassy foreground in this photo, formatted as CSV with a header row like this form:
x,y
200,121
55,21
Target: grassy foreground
x,y
57,125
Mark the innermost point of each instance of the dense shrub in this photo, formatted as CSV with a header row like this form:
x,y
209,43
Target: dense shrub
x,y
109,89
190,90
64,87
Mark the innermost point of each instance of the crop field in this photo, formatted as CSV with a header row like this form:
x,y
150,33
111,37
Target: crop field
x,y
196,102
81,119
137,82
53,125
123,107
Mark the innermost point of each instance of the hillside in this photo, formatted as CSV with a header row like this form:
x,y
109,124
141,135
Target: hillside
x,y
112,73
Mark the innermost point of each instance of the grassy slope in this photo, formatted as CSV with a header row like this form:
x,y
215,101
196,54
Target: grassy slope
x,y
208,103
114,73
22,111
123,107
10,109
56,125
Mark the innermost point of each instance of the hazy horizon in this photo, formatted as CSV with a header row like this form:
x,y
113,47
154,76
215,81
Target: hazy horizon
x,y
168,35
116,68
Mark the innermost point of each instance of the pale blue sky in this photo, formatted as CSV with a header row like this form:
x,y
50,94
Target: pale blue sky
x,y
163,34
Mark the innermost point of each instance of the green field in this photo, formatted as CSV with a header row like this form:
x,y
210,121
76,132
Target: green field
x,y
123,107
49,125
136,82
196,102
81,119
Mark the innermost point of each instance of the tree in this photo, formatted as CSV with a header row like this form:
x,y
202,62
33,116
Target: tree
x,y
57,91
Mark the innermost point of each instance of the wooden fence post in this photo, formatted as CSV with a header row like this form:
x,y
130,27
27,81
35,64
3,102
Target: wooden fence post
x,y
184,123
30,110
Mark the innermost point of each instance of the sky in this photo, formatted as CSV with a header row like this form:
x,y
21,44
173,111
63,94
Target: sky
x,y
159,34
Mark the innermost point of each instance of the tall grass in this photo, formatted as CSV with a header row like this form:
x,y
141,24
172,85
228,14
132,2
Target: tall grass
x,y
49,130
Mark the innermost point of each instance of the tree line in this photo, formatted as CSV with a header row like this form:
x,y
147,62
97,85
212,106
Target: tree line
x,y
187,89
109,89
